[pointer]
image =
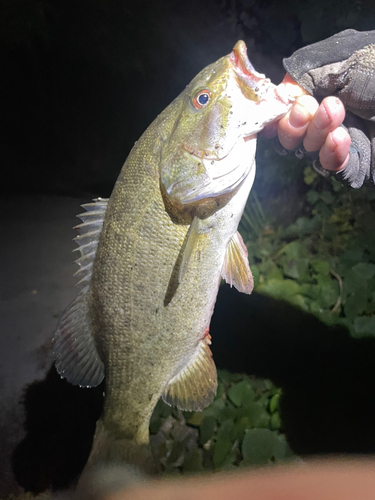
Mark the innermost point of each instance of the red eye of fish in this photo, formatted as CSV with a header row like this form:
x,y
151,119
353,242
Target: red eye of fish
x,y
201,99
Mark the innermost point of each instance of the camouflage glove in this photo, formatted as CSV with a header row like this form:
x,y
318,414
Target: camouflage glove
x,y
344,65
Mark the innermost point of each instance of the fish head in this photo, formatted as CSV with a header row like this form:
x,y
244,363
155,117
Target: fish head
x,y
211,147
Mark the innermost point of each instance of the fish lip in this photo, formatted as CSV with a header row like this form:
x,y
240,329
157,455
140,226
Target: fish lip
x,y
258,82
241,63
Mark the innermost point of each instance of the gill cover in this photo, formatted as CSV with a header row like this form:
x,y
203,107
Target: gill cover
x,y
206,155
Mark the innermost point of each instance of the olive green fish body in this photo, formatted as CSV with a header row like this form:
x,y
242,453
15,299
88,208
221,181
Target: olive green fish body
x,y
152,257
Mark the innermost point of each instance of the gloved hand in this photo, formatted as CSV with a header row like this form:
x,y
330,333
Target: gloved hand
x,y
344,65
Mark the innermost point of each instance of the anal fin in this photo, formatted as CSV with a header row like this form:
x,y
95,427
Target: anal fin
x,y
194,387
236,270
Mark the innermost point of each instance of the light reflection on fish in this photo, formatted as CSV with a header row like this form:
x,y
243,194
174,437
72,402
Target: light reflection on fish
x,y
153,255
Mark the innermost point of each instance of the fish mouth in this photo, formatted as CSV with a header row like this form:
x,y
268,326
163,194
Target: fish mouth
x,y
243,67
255,86
221,176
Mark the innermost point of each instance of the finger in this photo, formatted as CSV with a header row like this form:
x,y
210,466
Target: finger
x,y
330,115
269,131
334,154
293,126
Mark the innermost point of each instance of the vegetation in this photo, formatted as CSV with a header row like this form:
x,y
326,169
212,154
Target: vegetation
x,y
240,428
323,258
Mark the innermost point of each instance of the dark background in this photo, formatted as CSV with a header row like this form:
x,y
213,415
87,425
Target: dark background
x,y
80,82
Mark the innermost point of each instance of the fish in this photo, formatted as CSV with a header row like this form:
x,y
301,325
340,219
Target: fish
x,y
153,256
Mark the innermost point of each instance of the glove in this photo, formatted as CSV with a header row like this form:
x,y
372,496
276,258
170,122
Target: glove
x,y
344,65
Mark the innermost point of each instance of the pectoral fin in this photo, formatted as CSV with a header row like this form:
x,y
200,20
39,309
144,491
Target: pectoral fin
x,y
194,387
190,246
236,270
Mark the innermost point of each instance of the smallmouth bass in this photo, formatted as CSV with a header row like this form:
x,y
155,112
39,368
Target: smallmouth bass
x,y
153,255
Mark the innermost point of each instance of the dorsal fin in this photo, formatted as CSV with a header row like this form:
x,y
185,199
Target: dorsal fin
x,y
87,240
76,356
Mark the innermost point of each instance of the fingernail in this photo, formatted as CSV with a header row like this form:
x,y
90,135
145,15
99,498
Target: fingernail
x,y
299,116
321,119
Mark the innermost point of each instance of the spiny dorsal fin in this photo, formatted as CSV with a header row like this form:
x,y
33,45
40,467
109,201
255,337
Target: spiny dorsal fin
x,y
236,270
194,387
74,349
89,231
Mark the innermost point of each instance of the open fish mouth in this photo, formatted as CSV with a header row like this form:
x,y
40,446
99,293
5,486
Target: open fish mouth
x,y
255,86
220,176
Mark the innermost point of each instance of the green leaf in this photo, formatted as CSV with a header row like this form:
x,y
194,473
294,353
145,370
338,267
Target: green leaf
x,y
225,429
194,418
351,257
292,250
302,226
327,197
227,463
275,420
274,402
295,268
311,291
364,325
207,429
299,301
193,460
280,289
240,392
222,447
230,412
336,185
260,446
220,389
257,415
320,266
364,270
352,282
255,273
309,175
329,293
275,273
226,376
214,409
355,304
312,196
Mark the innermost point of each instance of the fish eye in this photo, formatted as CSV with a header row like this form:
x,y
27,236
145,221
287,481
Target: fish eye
x,y
201,98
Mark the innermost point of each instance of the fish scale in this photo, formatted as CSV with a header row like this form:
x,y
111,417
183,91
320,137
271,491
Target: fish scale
x,y
153,256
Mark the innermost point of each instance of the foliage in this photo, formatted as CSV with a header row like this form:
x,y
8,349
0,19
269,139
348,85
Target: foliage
x,y
241,427
321,257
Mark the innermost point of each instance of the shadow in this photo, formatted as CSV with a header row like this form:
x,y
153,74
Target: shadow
x,y
60,424
328,377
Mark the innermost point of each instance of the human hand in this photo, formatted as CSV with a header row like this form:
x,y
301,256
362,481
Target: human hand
x,y
322,480
317,127
342,66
